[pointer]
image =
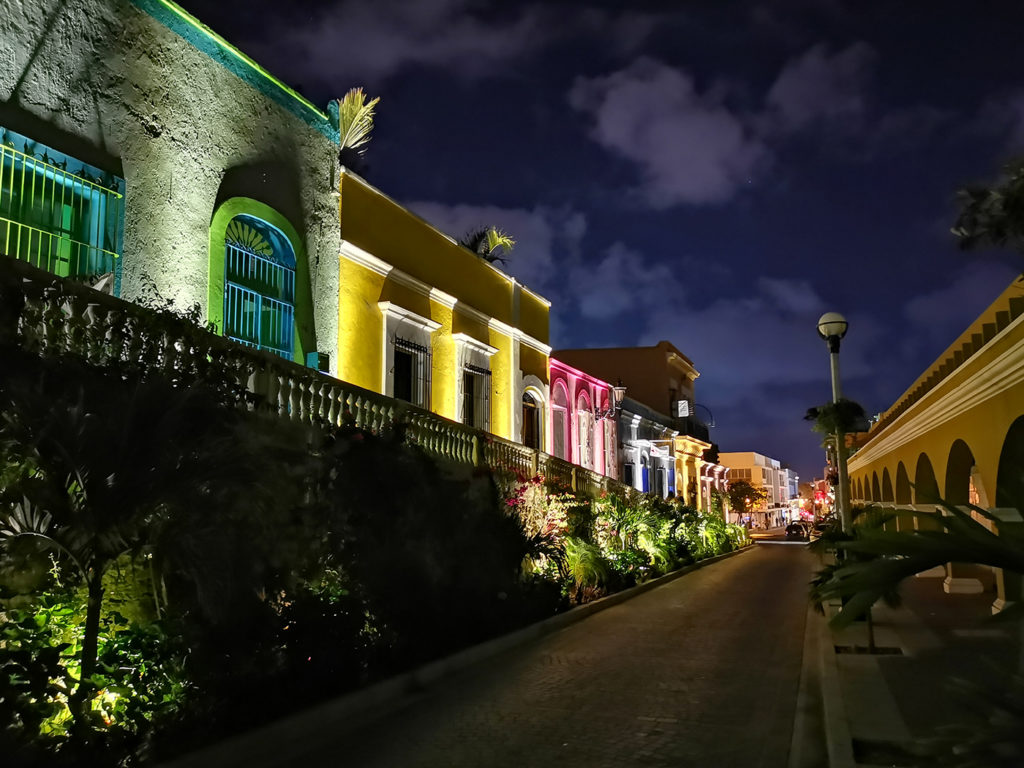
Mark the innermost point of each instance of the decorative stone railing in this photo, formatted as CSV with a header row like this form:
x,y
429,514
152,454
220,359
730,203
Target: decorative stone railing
x,y
50,315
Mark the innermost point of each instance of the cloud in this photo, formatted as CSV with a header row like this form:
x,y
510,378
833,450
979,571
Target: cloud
x,y
819,86
935,319
689,146
621,282
368,41
546,238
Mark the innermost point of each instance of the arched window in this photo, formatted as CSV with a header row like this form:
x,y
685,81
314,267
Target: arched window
x,y
531,420
585,431
559,422
259,286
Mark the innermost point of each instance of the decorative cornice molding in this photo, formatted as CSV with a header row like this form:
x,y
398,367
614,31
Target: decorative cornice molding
x,y
357,255
1004,372
436,294
479,346
391,309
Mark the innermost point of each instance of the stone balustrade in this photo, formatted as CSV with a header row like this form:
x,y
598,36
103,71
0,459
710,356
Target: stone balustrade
x,y
50,315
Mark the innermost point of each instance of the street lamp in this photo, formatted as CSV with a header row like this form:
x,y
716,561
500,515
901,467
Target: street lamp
x,y
832,328
618,394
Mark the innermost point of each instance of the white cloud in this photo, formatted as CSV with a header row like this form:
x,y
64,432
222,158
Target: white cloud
x,y
690,148
819,86
622,281
547,239
367,41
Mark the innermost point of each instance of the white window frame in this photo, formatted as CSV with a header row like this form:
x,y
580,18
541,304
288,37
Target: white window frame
x,y
475,353
402,322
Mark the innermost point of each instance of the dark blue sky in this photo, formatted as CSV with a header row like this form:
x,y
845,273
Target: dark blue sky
x,y
715,174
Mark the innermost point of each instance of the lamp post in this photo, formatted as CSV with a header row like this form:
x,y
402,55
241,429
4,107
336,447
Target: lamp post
x,y
832,328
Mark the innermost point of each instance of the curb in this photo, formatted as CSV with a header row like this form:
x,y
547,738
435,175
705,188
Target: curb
x,y
838,740
290,733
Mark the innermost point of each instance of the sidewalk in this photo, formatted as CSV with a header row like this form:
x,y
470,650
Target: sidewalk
x,y
876,705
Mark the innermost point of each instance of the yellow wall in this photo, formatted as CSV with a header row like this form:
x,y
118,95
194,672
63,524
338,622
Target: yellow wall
x,y
360,327
533,361
502,394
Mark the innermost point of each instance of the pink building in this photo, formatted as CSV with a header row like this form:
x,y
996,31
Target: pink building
x,y
581,423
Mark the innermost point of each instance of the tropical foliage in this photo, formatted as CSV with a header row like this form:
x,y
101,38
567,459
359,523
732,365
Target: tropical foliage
x,y
355,123
489,243
844,416
993,215
166,558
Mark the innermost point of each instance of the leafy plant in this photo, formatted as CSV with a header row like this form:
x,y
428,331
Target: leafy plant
x,y
585,566
844,416
355,123
489,243
993,215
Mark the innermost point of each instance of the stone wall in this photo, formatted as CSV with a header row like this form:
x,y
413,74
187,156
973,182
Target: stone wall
x,y
108,82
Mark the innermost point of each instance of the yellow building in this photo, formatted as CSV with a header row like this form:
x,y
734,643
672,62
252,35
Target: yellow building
x,y
425,320
957,433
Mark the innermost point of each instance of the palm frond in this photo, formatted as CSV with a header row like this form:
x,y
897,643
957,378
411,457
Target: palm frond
x,y
355,120
489,243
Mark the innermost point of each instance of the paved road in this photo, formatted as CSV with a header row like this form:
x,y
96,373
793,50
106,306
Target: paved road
x,y
702,671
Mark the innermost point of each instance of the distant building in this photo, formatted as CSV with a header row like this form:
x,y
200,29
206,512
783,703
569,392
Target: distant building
x,y
762,472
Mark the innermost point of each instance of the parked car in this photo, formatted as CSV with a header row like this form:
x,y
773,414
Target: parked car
x,y
796,532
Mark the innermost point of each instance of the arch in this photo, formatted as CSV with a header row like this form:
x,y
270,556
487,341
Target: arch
x,y
532,429
926,490
876,492
858,489
887,494
281,244
584,430
1010,476
560,421
957,488
903,495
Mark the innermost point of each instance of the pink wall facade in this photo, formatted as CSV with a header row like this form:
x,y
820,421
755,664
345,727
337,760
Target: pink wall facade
x,y
575,433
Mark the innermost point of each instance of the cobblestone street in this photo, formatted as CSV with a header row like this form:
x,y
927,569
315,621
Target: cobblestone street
x,y
702,671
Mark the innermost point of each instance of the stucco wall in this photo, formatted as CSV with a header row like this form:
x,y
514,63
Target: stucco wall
x,y
106,82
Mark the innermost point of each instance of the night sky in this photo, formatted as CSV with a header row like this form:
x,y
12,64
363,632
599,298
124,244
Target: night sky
x,y
717,174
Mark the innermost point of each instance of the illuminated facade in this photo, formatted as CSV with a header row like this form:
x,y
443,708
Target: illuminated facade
x,y
761,472
425,320
662,445
956,434
582,423
196,178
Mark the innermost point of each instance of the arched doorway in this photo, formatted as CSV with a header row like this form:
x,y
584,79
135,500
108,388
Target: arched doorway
x,y
532,429
958,486
887,494
585,431
1010,477
876,491
560,422
926,490
903,495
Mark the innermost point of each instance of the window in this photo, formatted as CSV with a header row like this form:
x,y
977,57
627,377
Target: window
x,y
58,213
259,286
476,392
531,421
659,481
411,372
627,474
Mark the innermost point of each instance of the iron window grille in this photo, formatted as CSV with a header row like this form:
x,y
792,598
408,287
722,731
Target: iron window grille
x,y
58,213
476,396
259,287
411,372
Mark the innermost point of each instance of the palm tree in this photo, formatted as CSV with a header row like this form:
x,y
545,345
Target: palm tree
x,y
489,243
106,462
993,216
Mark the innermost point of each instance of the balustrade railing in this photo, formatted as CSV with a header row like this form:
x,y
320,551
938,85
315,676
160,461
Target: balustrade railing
x,y
50,315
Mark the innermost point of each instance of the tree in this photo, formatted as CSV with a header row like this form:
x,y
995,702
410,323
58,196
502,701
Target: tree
x,y
993,216
844,416
105,462
489,243
744,497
